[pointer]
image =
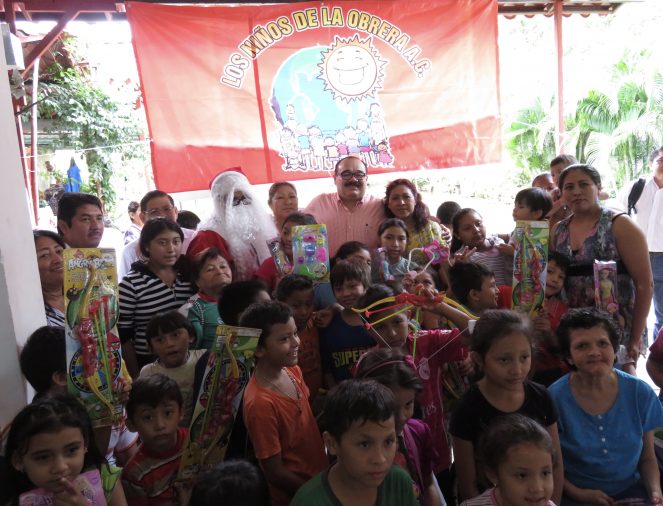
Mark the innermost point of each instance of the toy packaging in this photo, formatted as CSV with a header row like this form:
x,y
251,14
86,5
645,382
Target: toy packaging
x,y
283,265
228,369
95,371
436,252
88,484
310,252
605,286
530,261
383,266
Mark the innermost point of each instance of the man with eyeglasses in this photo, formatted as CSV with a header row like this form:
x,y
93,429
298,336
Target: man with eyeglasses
x,y
648,214
350,214
155,204
240,225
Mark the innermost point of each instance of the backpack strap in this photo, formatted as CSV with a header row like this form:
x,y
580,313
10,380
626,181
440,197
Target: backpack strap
x,y
634,195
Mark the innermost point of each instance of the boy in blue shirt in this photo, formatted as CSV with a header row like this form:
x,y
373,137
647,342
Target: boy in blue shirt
x,y
345,339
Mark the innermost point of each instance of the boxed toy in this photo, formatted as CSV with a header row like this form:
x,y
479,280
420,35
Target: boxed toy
x,y
228,369
95,371
530,260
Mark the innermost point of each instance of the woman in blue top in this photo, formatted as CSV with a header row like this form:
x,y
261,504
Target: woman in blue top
x,y
606,417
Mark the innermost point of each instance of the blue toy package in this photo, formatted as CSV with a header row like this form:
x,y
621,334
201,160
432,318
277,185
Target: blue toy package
x,y
310,252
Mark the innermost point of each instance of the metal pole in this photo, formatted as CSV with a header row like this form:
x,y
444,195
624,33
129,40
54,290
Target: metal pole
x,y
559,51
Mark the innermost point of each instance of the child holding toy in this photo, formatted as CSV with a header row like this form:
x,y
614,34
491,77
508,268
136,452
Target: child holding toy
x,y
49,446
268,271
389,265
430,350
531,204
548,365
345,339
469,236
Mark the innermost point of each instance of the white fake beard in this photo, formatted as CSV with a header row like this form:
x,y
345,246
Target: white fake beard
x,y
246,233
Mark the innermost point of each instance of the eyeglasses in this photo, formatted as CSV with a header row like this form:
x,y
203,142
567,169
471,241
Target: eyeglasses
x,y
243,200
160,211
347,176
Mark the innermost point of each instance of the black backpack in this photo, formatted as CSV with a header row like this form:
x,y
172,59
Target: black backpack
x,y
634,195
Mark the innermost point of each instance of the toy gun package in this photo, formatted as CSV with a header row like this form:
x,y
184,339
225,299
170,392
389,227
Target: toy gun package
x,y
530,260
95,372
310,252
228,369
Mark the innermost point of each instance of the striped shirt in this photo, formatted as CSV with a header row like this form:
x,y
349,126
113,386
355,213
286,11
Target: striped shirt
x,y
54,317
500,265
148,478
142,296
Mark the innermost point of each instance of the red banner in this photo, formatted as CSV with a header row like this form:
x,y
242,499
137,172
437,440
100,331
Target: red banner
x,y
285,90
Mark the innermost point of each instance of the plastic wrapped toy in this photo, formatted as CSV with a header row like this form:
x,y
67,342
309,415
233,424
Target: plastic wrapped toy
x,y
283,265
310,252
226,374
88,484
436,253
530,260
605,286
95,369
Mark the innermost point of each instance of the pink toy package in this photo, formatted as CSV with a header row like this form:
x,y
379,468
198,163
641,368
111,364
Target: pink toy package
x,y
88,484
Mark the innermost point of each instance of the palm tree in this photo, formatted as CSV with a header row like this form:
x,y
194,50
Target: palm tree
x,y
531,140
619,130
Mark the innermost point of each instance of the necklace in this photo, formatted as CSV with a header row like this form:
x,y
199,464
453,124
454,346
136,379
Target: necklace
x,y
298,396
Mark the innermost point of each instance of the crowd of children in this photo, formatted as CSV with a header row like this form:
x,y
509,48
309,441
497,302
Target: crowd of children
x,y
372,389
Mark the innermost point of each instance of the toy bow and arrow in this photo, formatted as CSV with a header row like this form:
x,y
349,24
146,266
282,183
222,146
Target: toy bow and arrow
x,y
92,318
404,302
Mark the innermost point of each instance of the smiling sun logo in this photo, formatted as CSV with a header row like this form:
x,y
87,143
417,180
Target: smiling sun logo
x,y
352,68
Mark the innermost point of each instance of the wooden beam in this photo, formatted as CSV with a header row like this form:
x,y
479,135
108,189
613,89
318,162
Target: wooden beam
x,y
34,147
10,15
48,39
68,5
21,8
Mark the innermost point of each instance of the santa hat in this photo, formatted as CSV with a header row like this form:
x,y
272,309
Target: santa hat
x,y
230,169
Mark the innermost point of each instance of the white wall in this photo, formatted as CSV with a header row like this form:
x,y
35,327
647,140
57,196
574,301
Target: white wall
x,y
21,303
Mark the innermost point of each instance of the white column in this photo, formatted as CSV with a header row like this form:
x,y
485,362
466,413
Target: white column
x,y
21,303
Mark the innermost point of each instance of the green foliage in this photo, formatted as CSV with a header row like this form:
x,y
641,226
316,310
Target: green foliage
x,y
532,140
86,118
615,128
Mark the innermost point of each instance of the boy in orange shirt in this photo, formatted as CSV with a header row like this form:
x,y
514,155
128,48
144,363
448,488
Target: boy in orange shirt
x,y
297,292
277,413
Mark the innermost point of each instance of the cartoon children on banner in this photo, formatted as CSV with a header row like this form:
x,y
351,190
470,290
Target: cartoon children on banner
x,y
325,102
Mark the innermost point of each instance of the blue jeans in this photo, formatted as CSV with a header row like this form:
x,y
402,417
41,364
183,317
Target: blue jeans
x,y
657,271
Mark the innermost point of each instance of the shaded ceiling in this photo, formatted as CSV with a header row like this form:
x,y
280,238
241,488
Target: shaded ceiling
x,y
99,10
